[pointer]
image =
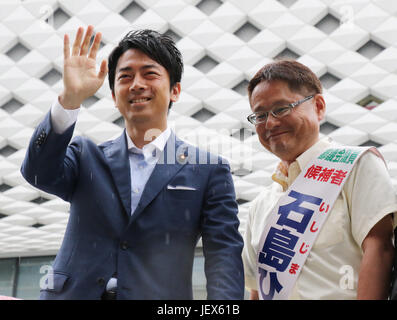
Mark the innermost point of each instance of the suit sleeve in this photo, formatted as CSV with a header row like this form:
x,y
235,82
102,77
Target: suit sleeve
x,y
49,164
222,242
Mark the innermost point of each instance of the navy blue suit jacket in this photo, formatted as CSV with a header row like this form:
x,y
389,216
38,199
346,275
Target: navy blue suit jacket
x,y
151,251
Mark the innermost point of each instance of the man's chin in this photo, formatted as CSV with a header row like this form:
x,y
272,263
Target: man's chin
x,y
138,118
281,149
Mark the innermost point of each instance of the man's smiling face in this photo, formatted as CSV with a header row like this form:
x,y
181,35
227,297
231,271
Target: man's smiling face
x,y
142,90
290,136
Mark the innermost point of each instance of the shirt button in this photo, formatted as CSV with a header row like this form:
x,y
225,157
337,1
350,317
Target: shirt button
x,y
100,281
124,245
135,190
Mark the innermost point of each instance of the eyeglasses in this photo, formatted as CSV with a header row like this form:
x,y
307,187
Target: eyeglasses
x,y
260,116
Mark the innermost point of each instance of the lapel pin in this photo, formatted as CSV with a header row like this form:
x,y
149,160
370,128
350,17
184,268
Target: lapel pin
x,y
182,157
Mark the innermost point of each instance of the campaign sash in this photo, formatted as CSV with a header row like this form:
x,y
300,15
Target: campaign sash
x,y
295,222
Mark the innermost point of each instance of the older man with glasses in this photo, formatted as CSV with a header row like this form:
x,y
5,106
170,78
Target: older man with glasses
x,y
323,229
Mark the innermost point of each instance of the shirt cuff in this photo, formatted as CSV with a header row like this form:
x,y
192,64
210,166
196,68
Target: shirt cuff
x,y
61,118
250,283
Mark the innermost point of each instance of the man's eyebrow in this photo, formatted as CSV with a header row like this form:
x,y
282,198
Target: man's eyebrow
x,y
124,69
277,103
148,66
281,102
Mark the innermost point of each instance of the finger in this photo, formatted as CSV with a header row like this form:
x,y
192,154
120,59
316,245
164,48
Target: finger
x,y
95,46
103,70
86,42
77,41
66,49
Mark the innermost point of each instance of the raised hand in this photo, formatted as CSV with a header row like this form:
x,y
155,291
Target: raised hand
x,y
80,78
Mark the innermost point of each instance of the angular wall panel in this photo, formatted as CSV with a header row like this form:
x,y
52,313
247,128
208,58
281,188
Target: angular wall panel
x,y
351,46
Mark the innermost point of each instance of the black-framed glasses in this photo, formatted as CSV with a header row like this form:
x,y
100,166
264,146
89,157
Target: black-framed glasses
x,y
261,116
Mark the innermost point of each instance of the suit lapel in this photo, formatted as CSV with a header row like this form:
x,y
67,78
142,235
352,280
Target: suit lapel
x,y
117,158
173,158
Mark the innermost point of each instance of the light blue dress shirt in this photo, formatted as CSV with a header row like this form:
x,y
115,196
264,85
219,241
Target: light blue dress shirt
x,y
142,163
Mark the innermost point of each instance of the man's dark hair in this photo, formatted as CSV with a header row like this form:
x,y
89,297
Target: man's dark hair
x,y
298,77
159,47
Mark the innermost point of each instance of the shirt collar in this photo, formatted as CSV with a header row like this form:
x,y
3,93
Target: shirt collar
x,y
280,176
152,149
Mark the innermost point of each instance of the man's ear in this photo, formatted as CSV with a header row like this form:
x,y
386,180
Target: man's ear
x,y
114,97
320,106
175,92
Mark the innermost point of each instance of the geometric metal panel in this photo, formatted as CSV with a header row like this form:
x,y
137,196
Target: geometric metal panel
x,y
209,6
223,44
328,24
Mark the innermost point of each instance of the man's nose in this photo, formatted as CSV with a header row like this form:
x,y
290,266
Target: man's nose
x,y
271,122
138,84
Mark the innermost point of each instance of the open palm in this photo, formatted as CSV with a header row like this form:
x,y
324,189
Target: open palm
x,y
79,75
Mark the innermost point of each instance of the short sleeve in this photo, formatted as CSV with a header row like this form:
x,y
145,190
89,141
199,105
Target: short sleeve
x,y
370,195
249,252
